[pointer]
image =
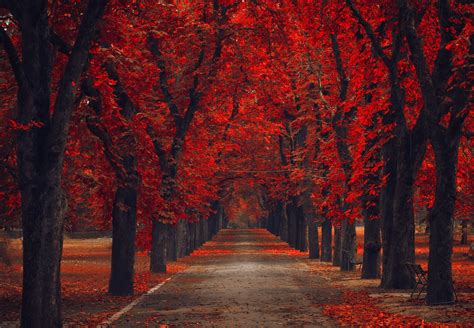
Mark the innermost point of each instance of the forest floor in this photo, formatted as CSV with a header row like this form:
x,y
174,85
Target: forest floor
x,y
241,278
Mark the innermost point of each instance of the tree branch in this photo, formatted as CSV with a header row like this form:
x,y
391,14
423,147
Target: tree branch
x,y
13,58
370,32
74,67
57,41
158,148
164,86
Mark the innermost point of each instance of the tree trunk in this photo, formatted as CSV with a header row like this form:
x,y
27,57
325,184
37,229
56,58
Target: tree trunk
x,y
197,235
372,247
40,153
313,239
336,257
159,247
326,241
192,237
387,194
402,246
187,240
292,233
171,253
205,233
43,221
123,241
349,245
276,213
464,232
180,239
283,222
220,217
271,222
440,277
302,244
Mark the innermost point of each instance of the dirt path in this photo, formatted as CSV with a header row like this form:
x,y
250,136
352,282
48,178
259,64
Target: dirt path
x,y
238,280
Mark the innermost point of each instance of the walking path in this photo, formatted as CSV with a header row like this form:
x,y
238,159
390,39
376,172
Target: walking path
x,y
240,279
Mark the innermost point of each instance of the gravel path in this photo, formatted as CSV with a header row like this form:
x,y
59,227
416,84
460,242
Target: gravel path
x,y
238,280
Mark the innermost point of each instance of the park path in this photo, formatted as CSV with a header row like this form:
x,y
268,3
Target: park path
x,y
243,278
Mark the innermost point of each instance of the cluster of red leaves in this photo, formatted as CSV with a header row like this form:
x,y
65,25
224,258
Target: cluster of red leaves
x,y
359,309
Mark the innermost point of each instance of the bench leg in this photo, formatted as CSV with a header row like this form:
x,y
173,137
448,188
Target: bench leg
x,y
414,289
421,291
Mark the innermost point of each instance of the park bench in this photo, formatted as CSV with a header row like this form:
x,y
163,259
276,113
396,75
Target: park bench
x,y
357,263
421,279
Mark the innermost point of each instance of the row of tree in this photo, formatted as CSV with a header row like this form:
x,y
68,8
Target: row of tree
x,y
151,117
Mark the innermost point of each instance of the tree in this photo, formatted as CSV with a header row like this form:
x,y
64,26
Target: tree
x,y
41,149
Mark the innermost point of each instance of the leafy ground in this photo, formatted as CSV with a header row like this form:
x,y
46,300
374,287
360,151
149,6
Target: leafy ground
x,y
365,304
86,264
85,270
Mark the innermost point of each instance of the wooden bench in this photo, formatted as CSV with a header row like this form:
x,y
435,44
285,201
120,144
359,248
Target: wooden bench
x,y
357,263
421,279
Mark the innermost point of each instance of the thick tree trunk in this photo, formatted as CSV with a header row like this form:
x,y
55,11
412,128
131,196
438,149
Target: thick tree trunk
x,y
302,243
313,239
326,241
292,225
205,234
197,235
187,241
402,246
192,237
159,247
43,220
220,217
276,213
171,253
336,257
123,241
180,238
283,222
440,277
464,232
372,247
40,153
387,194
349,245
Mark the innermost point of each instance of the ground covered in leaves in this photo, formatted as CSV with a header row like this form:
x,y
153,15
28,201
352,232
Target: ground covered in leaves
x,y
364,304
85,272
86,265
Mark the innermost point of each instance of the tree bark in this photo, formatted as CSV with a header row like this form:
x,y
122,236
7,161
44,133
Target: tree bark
x,y
158,255
313,239
40,152
172,243
402,246
440,277
326,241
372,247
349,245
302,230
205,233
464,232
180,239
292,226
123,241
336,257
284,222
